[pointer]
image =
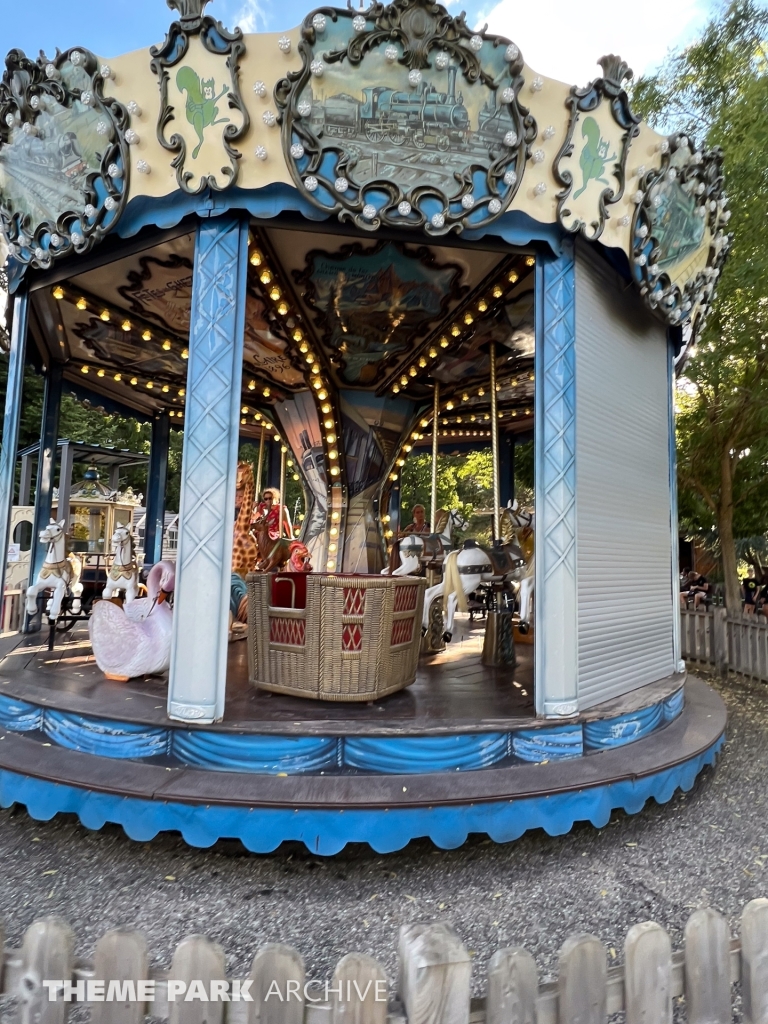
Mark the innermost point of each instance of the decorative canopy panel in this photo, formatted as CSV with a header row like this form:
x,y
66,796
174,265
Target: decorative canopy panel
x,y
377,317
401,115
397,116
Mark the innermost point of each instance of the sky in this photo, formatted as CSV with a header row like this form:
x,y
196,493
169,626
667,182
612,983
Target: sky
x,y
550,41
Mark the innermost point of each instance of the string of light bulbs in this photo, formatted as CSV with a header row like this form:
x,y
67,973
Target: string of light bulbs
x,y
464,319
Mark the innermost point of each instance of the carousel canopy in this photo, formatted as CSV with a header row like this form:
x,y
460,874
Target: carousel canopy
x,y
444,158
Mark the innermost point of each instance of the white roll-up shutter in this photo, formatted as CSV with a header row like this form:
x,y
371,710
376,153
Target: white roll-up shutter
x,y
624,536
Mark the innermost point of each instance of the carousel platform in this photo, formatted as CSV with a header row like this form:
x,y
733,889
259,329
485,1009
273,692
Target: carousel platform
x,y
458,752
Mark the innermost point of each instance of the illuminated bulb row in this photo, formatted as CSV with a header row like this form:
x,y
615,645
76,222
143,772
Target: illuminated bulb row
x,y
319,385
150,385
334,532
105,315
455,330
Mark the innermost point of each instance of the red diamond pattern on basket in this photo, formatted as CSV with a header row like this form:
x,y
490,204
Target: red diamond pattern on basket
x,y
402,631
352,637
405,599
286,631
354,601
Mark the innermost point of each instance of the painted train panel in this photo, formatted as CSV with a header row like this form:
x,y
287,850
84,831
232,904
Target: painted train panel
x,y
421,117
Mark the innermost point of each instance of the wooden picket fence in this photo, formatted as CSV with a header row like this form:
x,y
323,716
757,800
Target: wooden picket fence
x,y
433,985
736,643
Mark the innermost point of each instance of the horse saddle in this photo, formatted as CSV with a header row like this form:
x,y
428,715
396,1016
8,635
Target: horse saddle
x,y
503,560
433,547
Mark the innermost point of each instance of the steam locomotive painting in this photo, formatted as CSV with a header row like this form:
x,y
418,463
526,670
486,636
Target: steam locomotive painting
x,y
423,118
45,172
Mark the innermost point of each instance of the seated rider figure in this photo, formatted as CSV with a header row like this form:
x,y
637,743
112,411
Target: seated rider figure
x,y
419,523
271,507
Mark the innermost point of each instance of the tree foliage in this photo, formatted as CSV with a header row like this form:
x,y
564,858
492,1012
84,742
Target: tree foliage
x,y
716,91
464,483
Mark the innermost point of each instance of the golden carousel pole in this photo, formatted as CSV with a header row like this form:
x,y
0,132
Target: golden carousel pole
x,y
260,464
283,451
435,447
495,445
498,644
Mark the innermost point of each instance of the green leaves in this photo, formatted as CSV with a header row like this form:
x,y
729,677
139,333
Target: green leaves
x,y
717,92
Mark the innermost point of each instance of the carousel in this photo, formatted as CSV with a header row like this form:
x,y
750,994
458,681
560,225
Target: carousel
x,y
376,236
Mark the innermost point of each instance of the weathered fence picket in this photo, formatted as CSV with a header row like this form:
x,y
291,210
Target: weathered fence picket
x,y
648,975
196,963
434,980
754,962
738,643
435,974
47,954
708,968
359,991
277,986
121,960
583,978
513,983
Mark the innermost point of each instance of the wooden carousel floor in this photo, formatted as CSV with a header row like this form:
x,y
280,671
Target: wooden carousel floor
x,y
453,691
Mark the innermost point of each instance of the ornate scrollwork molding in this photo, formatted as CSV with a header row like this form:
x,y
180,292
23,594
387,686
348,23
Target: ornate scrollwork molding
x,y
679,235
64,155
594,157
411,150
193,105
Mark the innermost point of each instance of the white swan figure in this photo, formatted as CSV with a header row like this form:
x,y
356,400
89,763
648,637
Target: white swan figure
x,y
135,640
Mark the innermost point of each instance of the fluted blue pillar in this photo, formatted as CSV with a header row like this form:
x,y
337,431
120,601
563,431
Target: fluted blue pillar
x,y
209,468
556,660
11,424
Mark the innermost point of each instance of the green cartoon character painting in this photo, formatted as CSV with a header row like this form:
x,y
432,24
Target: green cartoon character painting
x,y
201,102
594,155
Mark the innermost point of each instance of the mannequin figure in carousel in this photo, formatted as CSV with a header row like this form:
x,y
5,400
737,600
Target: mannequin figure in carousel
x,y
271,507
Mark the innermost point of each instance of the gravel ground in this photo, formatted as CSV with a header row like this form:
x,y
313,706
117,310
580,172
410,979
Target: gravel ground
x,y
707,847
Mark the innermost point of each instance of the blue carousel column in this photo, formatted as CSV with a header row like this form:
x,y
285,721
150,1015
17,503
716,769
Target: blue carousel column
x,y
46,466
197,681
673,516
157,476
556,651
11,424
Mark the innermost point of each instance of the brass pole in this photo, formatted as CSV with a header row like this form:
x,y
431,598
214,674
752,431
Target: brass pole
x,y
435,447
283,450
261,463
495,445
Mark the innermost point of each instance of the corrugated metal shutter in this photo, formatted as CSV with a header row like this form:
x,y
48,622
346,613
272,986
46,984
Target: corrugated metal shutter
x,y
625,611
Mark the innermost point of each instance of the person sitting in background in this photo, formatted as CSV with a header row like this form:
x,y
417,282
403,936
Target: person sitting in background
x,y
696,587
419,524
750,590
271,507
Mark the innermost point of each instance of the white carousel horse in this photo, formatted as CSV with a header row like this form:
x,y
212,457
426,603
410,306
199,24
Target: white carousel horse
x,y
464,570
60,573
523,525
416,547
135,640
124,572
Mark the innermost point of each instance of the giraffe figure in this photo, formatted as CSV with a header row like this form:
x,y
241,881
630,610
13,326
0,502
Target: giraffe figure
x,y
245,550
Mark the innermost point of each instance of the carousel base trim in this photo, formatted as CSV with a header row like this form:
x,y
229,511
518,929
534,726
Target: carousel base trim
x,y
297,754
327,832
327,810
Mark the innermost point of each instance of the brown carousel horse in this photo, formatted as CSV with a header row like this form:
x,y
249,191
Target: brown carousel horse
x,y
274,554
